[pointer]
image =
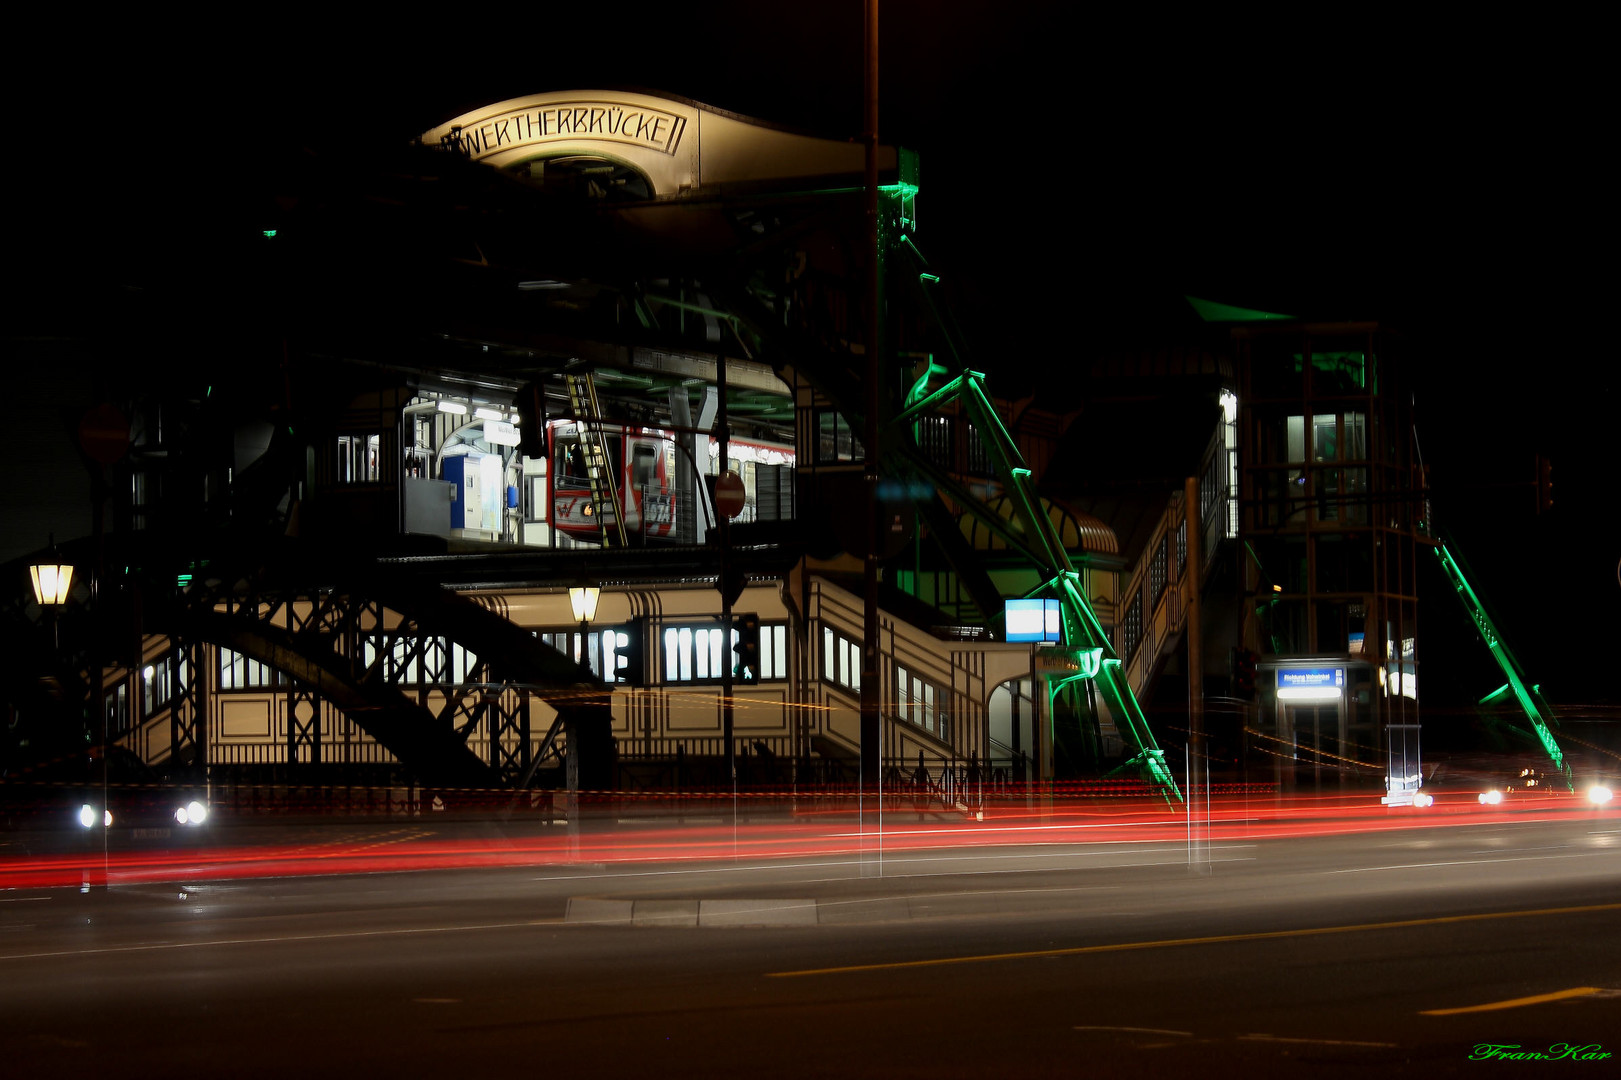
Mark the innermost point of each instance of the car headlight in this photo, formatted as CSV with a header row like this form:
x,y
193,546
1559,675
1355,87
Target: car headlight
x,y
1491,798
87,816
1598,795
195,813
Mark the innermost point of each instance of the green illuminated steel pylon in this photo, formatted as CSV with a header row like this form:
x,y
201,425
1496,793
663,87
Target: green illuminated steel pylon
x,y
1537,710
1084,636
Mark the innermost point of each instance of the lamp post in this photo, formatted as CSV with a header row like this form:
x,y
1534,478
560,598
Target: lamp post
x,y
52,582
583,599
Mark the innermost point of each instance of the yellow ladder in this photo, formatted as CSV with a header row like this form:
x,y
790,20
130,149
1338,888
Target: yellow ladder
x,y
582,396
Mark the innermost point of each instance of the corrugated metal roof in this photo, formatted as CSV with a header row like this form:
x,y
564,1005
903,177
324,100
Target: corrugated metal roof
x,y
1077,531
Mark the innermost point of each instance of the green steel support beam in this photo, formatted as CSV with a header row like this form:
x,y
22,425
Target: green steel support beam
x,y
1040,544
1536,709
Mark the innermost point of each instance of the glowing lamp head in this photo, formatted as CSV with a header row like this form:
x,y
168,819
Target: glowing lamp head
x,y
583,600
52,582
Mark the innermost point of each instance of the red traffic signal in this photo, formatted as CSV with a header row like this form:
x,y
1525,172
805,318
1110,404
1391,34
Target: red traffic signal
x,y
1244,661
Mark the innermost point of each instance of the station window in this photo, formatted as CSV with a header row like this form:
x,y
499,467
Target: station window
x,y
923,703
597,649
1156,574
161,681
841,659
702,652
977,459
358,459
439,662
934,439
1131,626
117,708
239,672
835,441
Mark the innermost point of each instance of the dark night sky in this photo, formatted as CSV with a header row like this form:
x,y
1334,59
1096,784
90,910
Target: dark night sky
x,y
1076,171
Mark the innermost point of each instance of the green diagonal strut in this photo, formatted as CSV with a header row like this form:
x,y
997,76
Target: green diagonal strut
x,y
1530,699
1084,637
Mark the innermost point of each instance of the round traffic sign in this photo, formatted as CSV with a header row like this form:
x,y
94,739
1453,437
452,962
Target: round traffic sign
x,y
729,494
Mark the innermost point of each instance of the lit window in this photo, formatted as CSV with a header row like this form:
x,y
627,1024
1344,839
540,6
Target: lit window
x,y
841,659
240,672
704,652
923,703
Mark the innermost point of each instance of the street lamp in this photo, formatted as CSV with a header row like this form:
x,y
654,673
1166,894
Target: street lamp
x,y
583,599
52,582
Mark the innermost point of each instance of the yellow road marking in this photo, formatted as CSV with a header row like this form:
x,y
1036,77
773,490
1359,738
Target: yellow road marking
x,y
1129,946
1514,1003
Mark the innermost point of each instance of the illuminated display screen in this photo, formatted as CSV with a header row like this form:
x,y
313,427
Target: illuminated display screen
x,y
1033,620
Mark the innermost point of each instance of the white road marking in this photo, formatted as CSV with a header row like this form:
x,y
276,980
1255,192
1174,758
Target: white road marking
x,y
1140,1030
1313,1042
1466,862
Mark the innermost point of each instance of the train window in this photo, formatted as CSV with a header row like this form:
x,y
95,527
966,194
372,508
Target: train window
x,y
570,463
572,457
643,465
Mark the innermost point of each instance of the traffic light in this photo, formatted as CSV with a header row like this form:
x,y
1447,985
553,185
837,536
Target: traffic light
x,y
1244,674
631,652
1544,484
746,629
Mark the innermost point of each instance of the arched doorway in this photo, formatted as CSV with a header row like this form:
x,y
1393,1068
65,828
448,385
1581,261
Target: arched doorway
x,y
1014,751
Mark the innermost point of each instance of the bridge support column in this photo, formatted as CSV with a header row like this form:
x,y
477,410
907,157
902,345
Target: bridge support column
x,y
589,761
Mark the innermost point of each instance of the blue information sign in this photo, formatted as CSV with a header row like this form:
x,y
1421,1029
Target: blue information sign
x,y
1033,620
1315,678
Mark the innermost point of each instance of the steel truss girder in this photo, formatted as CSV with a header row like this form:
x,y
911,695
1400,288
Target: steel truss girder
x,y
188,740
319,638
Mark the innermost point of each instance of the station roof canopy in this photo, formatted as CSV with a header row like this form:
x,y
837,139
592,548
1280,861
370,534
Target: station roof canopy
x,y
644,145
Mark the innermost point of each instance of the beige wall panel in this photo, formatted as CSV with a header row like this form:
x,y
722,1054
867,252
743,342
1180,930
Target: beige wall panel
x,y
244,719
760,710
846,724
695,713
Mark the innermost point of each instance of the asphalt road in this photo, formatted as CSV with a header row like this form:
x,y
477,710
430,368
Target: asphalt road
x,y
1398,952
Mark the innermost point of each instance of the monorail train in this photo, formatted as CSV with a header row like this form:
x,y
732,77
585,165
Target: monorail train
x,y
643,463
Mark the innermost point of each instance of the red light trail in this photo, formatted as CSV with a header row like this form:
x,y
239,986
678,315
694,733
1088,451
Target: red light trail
x,y
830,829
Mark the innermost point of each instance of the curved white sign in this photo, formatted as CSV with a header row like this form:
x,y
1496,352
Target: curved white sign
x,y
678,145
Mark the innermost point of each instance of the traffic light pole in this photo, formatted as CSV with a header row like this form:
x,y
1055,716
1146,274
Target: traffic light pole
x,y
724,531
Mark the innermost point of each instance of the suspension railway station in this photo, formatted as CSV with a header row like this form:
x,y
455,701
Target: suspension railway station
x,y
611,345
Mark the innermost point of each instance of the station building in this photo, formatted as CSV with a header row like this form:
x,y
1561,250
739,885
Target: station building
x,y
516,360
